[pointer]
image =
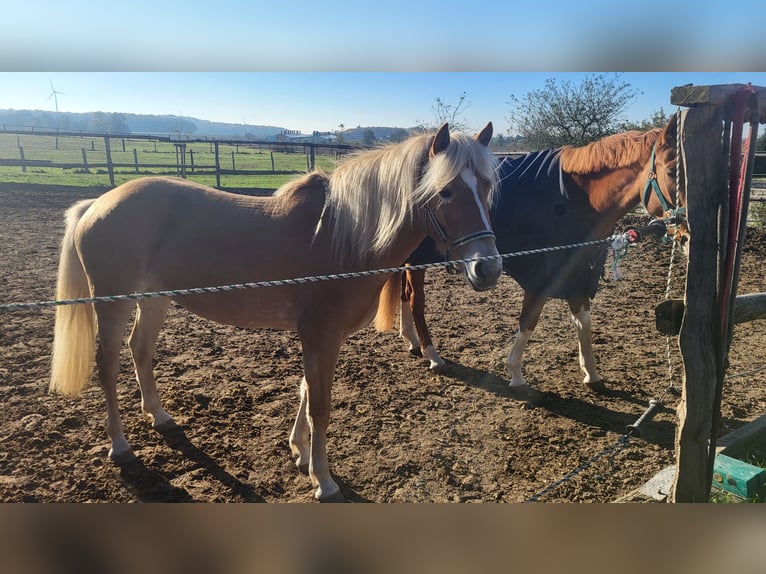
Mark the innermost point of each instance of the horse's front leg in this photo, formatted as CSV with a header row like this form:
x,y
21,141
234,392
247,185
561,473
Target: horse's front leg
x,y
300,436
582,321
320,356
531,308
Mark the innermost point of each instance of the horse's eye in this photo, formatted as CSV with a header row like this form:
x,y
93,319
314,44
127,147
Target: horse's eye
x,y
445,193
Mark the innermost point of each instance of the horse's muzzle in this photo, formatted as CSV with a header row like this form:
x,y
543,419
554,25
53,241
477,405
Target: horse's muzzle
x,y
484,274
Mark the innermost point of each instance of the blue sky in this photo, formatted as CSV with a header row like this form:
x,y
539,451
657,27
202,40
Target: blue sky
x,y
309,65
310,101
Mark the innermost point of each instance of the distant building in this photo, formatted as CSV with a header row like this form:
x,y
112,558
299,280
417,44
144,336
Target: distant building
x,y
295,136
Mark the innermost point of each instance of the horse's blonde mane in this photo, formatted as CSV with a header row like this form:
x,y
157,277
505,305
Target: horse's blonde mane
x,y
374,192
612,152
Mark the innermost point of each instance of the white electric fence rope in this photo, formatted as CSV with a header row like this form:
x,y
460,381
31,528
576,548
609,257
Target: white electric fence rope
x,y
613,240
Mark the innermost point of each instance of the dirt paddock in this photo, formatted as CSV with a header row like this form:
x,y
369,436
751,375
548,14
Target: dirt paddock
x,y
398,433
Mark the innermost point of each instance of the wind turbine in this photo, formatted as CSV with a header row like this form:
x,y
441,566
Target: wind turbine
x,y
54,95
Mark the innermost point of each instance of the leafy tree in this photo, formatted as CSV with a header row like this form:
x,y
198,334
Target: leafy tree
x,y
658,119
97,122
445,112
339,134
368,138
117,124
568,114
398,135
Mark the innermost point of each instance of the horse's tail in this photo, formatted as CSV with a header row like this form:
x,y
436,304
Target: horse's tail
x,y
74,336
389,302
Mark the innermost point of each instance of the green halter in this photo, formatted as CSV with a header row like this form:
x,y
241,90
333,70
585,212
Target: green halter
x,y
673,214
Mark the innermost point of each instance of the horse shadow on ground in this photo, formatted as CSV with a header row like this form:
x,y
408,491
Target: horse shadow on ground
x,y
349,493
149,485
660,433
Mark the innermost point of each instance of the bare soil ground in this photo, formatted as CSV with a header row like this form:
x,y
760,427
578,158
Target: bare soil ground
x,y
398,432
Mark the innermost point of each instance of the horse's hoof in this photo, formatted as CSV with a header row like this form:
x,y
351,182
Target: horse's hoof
x,y
337,496
523,390
303,467
416,353
438,368
597,387
121,458
166,427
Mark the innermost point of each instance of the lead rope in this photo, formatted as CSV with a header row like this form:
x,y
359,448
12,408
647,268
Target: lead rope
x,y
679,119
671,388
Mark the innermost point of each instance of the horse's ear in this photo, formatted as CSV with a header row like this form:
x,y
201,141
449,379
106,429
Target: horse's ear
x,y
485,135
441,140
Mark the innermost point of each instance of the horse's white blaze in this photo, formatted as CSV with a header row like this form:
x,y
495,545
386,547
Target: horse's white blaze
x,y
582,323
473,183
514,358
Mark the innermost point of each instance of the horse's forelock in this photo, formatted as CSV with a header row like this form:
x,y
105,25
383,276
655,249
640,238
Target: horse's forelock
x,y
462,152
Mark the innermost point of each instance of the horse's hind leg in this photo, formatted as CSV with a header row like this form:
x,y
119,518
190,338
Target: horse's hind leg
x,y
406,322
150,316
416,313
580,309
531,308
112,318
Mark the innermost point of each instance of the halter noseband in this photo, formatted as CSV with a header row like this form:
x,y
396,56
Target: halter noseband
x,y
672,214
454,243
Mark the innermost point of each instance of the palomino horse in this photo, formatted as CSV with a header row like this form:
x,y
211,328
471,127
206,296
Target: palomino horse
x,y
553,198
160,234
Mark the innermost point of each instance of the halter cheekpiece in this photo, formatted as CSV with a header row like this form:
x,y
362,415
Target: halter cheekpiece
x,y
671,214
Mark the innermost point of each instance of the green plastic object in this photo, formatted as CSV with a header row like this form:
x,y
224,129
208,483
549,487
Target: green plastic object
x,y
738,477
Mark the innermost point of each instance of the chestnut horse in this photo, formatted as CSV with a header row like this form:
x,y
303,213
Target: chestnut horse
x,y
559,197
160,234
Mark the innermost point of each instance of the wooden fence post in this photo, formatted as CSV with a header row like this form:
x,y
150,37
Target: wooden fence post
x,y
217,167
21,153
109,164
85,161
699,339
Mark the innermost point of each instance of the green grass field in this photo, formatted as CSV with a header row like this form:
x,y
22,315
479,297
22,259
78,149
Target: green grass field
x,y
154,158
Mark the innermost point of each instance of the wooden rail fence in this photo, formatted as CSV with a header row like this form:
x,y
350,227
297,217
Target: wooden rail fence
x,y
184,156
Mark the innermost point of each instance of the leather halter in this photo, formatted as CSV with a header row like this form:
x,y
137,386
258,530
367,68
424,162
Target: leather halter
x,y
454,243
671,214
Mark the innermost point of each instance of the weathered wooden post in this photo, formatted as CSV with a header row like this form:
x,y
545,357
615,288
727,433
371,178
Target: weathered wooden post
x,y
109,164
706,326
135,158
23,166
217,167
85,161
699,339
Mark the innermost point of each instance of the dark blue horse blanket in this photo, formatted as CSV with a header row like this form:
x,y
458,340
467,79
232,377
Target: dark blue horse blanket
x,y
535,209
